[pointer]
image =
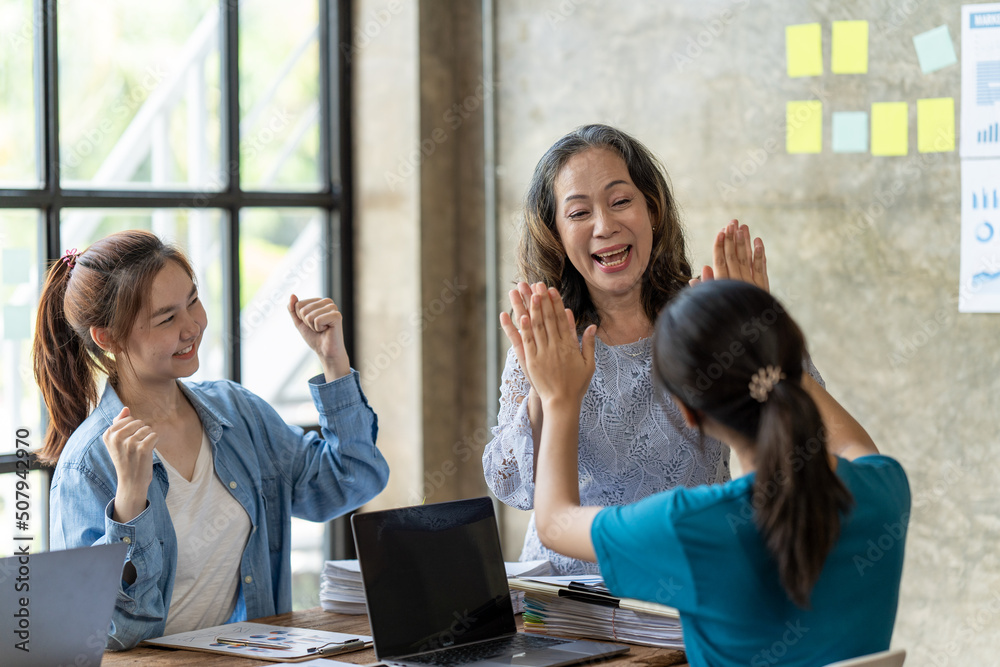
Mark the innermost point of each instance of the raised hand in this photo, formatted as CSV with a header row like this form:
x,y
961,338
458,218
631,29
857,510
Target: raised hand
x,y
559,368
735,257
520,299
321,325
130,444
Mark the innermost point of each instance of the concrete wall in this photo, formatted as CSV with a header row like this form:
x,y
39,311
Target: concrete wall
x,y
703,83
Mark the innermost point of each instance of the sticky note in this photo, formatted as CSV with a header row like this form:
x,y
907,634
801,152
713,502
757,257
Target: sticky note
x,y
850,132
804,122
804,49
934,49
936,125
16,266
890,128
16,322
849,51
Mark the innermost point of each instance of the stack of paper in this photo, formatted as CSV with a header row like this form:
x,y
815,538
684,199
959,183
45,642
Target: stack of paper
x,y
340,588
342,591
581,606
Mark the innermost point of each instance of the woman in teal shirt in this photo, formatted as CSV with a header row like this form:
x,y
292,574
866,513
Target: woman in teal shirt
x,y
796,563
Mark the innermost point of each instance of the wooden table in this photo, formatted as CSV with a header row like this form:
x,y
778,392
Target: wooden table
x,y
317,619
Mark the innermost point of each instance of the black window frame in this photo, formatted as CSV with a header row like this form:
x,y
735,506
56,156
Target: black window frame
x,y
334,196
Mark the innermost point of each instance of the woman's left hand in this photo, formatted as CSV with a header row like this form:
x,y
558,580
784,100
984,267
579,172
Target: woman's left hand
x,y
735,257
559,368
321,325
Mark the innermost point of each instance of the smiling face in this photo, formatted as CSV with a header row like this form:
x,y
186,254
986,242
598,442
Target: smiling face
x,y
164,341
604,225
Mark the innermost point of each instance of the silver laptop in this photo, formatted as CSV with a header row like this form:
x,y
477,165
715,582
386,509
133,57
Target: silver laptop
x,y
55,606
437,591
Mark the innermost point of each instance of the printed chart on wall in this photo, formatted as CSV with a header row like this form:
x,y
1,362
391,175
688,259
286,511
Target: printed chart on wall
x,y
980,151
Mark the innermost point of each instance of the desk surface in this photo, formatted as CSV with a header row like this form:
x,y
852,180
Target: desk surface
x,y
317,619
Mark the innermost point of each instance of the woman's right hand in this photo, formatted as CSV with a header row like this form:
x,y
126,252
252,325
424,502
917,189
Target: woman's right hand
x,y
130,443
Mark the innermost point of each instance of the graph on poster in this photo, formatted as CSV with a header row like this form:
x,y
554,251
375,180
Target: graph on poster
x,y
980,269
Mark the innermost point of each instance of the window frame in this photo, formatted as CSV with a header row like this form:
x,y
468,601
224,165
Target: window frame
x,y
334,196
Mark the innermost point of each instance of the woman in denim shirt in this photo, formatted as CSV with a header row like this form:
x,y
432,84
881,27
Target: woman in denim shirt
x,y
199,479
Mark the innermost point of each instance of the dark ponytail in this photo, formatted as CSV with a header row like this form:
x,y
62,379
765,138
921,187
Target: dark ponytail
x,y
105,286
797,497
710,342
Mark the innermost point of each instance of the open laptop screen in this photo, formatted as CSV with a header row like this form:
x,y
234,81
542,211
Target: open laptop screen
x,y
434,576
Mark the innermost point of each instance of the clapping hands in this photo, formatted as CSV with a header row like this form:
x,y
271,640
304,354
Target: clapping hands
x,y
557,364
736,258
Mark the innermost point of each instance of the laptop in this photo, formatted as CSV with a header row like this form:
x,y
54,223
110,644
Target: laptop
x,y
437,592
58,604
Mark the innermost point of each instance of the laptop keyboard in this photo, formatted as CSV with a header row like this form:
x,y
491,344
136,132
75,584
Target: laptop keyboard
x,y
463,655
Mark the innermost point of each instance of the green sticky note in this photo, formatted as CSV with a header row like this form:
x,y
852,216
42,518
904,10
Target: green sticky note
x,y
850,131
934,49
849,52
16,266
804,49
16,322
936,125
804,123
890,128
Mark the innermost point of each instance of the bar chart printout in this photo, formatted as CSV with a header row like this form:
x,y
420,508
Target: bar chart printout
x,y
991,135
980,81
979,275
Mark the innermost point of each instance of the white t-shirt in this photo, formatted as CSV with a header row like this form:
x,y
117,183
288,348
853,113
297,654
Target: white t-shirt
x,y
212,530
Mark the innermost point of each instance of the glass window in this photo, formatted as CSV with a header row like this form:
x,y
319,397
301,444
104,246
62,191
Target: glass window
x,y
20,400
139,94
279,95
197,232
18,134
141,129
280,254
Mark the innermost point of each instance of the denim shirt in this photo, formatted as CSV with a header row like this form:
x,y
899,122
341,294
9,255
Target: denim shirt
x,y
272,469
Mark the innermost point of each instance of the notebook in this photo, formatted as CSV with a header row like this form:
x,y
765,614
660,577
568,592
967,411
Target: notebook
x,y
58,604
436,591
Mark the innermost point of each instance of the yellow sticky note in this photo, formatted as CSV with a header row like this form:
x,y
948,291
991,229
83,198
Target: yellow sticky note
x,y
804,122
890,128
849,51
804,49
936,125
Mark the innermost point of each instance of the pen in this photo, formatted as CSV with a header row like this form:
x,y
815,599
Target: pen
x,y
336,647
236,641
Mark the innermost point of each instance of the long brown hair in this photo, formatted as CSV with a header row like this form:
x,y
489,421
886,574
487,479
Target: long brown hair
x,y
709,343
541,256
104,286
